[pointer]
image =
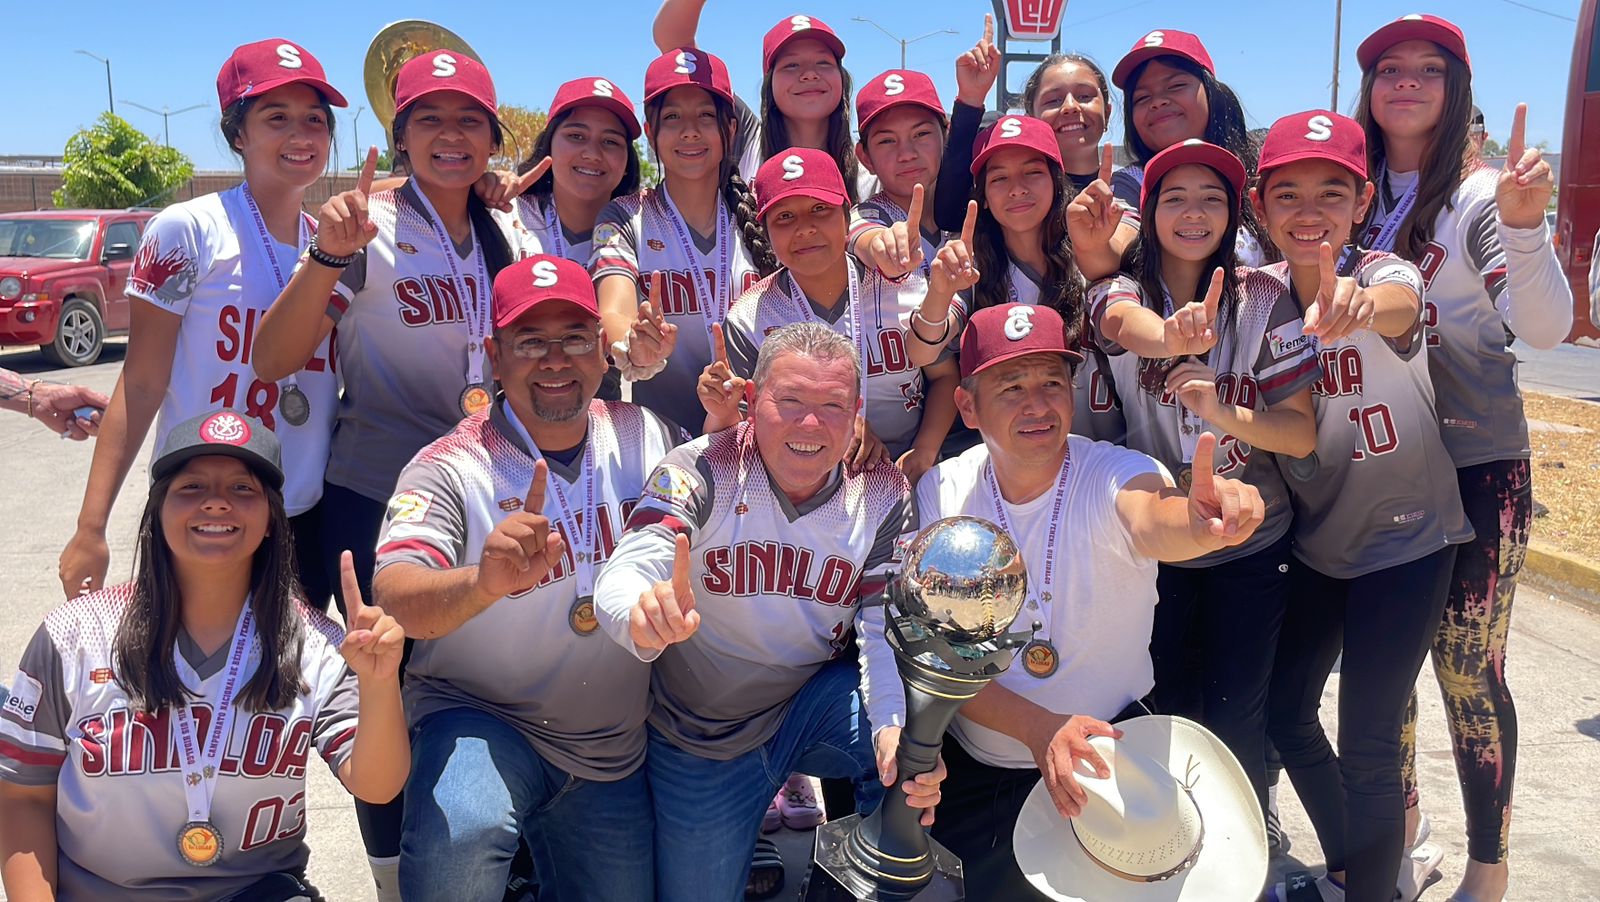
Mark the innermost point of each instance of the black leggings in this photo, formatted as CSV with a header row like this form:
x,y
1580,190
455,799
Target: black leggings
x,y
1212,644
1383,623
352,521
309,567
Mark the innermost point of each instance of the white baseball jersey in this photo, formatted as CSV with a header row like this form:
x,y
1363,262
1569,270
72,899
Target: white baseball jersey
x,y
1102,603
1264,361
532,227
638,236
779,588
881,210
1481,278
206,261
403,330
118,771
894,387
1380,489
535,660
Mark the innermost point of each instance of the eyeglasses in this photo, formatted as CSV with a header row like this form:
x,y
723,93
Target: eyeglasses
x,y
530,347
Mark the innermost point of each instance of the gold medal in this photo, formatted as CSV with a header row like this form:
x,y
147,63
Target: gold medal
x,y
1186,478
1039,659
200,844
475,399
581,617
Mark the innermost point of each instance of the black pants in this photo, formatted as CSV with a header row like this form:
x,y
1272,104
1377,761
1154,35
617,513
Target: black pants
x,y
279,887
1212,646
309,568
351,522
978,809
1383,623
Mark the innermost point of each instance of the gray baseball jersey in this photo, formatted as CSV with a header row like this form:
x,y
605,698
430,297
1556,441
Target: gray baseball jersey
x,y
118,771
534,660
779,588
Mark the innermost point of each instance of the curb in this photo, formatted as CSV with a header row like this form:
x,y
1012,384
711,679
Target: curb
x,y
1574,577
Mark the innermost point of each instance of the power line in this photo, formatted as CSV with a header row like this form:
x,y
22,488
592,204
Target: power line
x,y
1116,12
1542,12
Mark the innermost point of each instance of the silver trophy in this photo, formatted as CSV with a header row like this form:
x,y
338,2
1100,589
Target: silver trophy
x,y
963,584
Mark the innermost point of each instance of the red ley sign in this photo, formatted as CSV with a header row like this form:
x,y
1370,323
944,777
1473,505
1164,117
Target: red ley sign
x,y
1034,20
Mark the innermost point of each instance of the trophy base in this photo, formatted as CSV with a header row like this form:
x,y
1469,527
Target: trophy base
x,y
834,877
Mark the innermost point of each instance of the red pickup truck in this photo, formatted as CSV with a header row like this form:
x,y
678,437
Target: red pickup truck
x,y
62,274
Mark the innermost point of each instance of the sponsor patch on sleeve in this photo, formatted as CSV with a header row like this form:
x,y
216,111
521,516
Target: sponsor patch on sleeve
x,y
410,507
605,233
1287,340
23,703
671,484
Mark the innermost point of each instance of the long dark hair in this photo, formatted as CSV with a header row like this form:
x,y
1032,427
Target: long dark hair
x,y
496,253
1063,288
1448,159
546,186
233,119
736,194
1143,260
775,131
143,648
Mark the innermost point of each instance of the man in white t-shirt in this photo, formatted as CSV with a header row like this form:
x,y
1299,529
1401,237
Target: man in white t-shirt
x,y
1092,520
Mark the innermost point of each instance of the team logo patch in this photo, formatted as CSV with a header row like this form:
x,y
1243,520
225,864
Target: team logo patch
x,y
741,509
510,504
1019,322
656,244
406,246
671,484
605,233
167,277
1287,339
410,507
225,429
100,675
24,701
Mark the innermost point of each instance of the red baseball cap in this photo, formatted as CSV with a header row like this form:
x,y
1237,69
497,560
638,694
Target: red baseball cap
x,y
794,28
257,68
1006,331
687,66
799,170
1414,27
1162,42
1315,135
1015,131
596,92
444,70
1194,150
897,87
538,279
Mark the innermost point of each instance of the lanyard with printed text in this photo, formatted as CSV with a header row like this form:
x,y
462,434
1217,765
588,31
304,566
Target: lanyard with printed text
x,y
292,402
474,305
1391,225
581,541
713,306
201,760
1045,586
858,327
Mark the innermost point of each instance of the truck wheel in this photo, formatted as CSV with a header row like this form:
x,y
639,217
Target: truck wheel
x,y
80,335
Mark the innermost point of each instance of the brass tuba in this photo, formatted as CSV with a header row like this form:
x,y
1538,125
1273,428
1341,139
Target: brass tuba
x,y
395,45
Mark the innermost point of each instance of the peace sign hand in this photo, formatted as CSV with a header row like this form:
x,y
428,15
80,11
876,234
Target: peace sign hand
x,y
719,389
1093,216
952,270
1526,182
665,613
373,641
1222,512
897,249
499,189
977,69
651,338
1342,306
342,224
1192,328
522,549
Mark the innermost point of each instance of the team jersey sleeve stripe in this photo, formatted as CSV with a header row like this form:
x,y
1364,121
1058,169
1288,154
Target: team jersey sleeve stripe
x,y
334,748
15,758
414,551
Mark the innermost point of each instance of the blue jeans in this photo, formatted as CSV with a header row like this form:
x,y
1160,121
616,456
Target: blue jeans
x,y
476,784
708,813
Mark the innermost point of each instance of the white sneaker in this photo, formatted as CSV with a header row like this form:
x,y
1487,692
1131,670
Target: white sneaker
x,y
1419,869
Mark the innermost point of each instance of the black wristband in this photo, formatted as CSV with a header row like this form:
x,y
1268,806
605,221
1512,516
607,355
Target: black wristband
x,y
326,259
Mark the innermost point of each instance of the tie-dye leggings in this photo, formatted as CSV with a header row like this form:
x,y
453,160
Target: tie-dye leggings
x,y
1469,654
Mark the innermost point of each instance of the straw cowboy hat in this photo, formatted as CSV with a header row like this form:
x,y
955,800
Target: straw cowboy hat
x,y
1176,820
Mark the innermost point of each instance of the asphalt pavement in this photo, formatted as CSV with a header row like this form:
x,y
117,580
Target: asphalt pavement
x,y
1553,666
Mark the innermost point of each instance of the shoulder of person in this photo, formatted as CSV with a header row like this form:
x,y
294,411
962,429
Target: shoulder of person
x,y
91,619
321,631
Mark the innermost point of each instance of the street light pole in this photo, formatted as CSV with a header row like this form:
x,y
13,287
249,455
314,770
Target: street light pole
x,y
111,105
902,41
1338,23
164,113
355,123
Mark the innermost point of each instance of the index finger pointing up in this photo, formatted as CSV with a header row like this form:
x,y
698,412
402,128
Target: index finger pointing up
x,y
969,226
534,503
681,590
988,28
368,170
350,588
526,180
1204,467
1106,155
1516,144
1214,295
719,345
657,285
914,215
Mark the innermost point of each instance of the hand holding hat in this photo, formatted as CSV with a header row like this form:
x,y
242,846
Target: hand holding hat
x,y
1059,746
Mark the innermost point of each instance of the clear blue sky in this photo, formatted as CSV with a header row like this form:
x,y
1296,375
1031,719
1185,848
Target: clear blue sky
x,y
168,53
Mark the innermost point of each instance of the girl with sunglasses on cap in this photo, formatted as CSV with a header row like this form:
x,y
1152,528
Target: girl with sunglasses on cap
x,y
805,92
1377,518
155,746
1480,238
206,271
1223,363
669,261
404,274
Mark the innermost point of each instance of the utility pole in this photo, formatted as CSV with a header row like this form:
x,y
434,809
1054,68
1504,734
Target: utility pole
x,y
355,124
899,40
111,105
1338,24
164,113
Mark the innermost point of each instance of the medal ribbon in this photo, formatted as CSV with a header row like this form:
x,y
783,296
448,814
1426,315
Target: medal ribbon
x,y
713,307
1391,225
583,540
200,766
475,309
271,253
858,328
1045,587
552,227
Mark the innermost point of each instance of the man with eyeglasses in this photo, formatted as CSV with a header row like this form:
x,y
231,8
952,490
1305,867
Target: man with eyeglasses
x,y
525,717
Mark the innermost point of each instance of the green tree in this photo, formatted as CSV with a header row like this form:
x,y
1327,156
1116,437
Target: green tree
x,y
385,162
114,165
520,127
649,175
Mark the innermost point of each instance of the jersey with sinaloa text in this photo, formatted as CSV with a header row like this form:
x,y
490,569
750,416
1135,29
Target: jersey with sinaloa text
x,y
204,260
118,771
635,236
403,333
530,228
778,586
535,660
895,389
1380,490
1263,360
1467,309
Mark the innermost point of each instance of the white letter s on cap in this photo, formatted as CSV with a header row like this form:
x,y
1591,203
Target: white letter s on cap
x,y
793,167
1320,128
603,88
800,23
894,85
1155,39
289,56
1019,322
1010,128
686,63
544,274
444,66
